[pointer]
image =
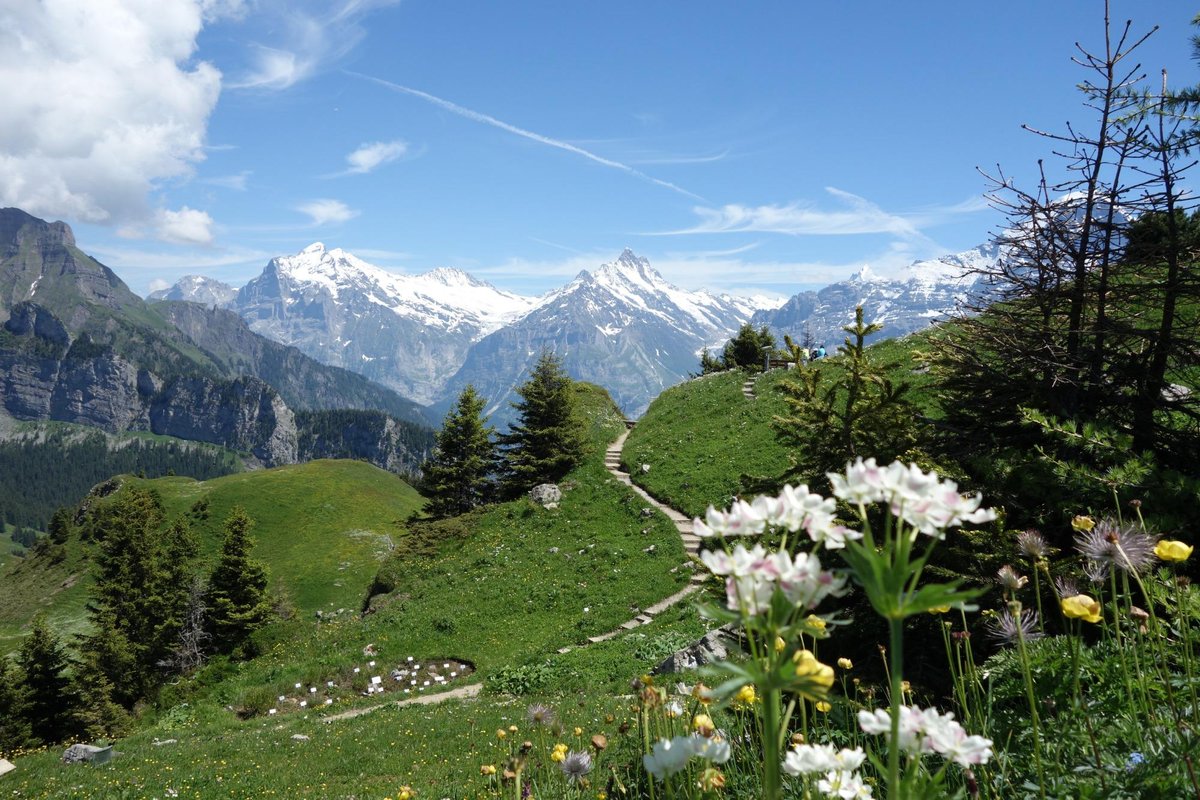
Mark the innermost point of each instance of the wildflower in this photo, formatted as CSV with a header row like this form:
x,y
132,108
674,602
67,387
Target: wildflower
x,y
1083,523
501,733
1081,606
406,793
559,753
929,731
538,714
845,663
512,728
487,769
711,780
823,706
710,748
1033,545
1122,546
814,671
780,644
1009,580
702,694
814,622
804,758
1065,587
1007,627
940,610
1172,550
1095,571
599,742
576,765
703,725
842,784
1135,759
667,757
673,709
746,695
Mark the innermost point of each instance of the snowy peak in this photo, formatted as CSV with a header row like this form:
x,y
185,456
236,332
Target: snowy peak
x,y
196,289
450,276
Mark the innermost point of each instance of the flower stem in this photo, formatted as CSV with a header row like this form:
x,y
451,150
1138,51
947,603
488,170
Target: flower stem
x,y
772,788
1033,714
896,655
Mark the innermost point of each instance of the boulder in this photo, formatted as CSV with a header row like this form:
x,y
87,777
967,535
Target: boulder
x,y
6,766
87,753
713,646
545,494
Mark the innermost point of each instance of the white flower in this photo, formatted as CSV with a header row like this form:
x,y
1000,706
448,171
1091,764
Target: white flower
x,y
863,483
714,749
667,757
844,785
803,758
929,731
770,509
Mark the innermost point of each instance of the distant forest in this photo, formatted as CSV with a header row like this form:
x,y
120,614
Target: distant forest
x,y
40,474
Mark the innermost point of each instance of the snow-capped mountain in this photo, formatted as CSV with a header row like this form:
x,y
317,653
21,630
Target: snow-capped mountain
x,y
197,289
925,292
622,326
408,332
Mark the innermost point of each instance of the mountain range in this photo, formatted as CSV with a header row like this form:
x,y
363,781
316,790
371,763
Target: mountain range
x,y
76,345
621,325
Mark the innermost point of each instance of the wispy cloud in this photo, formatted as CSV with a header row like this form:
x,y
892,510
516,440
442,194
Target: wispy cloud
x,y
311,39
682,159
477,116
374,154
857,216
326,211
236,182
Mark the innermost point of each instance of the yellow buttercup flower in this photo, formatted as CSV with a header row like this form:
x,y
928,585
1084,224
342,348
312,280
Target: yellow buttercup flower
x,y
406,793
780,644
578,731
1083,523
501,733
703,724
940,610
823,707
845,663
807,666
814,622
1172,550
1081,607
746,695
487,769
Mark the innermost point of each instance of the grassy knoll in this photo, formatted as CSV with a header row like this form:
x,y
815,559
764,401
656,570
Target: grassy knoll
x,y
700,437
322,528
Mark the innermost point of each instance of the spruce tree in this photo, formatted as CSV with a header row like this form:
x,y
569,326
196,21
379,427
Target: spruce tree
x,y
458,475
749,348
237,589
860,412
547,441
15,731
51,703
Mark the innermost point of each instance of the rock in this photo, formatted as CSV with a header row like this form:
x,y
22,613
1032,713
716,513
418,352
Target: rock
x,y
85,753
545,494
713,646
554,550
369,650
299,737
647,512
645,468
161,742
6,766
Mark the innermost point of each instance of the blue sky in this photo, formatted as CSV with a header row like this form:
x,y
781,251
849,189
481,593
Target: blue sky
x,y
747,147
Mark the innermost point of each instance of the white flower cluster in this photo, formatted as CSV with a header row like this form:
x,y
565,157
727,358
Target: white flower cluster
x,y
928,731
794,509
841,779
927,504
752,576
669,756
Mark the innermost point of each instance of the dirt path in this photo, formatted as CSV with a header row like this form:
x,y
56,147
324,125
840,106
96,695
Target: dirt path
x,y
691,544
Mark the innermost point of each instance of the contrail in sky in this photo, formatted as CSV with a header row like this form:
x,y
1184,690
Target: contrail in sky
x,y
476,116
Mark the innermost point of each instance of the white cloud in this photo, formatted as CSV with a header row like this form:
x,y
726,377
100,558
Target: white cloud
x,y
312,37
158,284
857,216
373,154
185,226
326,211
103,102
237,182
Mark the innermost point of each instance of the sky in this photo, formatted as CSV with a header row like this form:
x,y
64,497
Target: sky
x,y
758,147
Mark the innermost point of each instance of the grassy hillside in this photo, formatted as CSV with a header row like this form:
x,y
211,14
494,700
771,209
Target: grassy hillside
x,y
502,590
700,437
323,528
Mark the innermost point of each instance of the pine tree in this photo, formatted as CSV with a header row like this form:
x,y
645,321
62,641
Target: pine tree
x,y
861,412
237,589
749,348
60,526
458,475
51,702
15,731
548,440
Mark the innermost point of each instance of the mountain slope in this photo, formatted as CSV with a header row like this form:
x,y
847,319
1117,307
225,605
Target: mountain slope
x,y
196,289
409,333
622,326
926,292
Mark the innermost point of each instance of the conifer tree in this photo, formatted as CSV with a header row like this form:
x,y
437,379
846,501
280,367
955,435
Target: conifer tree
x,y
749,348
844,410
51,700
59,528
458,474
547,441
237,589
15,732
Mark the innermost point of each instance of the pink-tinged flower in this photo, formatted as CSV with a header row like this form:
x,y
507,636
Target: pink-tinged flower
x,y
844,785
806,758
862,483
769,509
929,731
